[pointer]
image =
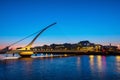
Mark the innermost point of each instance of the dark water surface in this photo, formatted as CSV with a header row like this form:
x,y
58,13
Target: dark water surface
x,y
62,68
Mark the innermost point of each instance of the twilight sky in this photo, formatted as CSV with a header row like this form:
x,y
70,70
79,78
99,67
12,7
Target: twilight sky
x,y
95,20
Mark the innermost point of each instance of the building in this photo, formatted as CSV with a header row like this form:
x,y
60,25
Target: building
x,y
109,48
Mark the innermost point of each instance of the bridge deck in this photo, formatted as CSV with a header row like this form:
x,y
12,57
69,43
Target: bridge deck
x,y
63,52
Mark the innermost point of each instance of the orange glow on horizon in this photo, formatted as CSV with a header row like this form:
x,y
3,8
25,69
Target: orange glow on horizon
x,y
41,44
19,45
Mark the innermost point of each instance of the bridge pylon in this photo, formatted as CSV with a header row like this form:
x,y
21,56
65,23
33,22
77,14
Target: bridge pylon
x,y
26,51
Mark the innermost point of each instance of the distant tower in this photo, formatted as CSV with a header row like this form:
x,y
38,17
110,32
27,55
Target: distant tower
x,y
110,44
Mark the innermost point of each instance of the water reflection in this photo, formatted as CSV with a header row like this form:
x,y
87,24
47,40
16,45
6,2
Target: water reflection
x,y
99,62
28,63
104,61
78,61
118,58
92,67
91,62
118,63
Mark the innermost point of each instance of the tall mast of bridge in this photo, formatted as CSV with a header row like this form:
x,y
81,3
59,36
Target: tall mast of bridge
x,y
39,33
30,44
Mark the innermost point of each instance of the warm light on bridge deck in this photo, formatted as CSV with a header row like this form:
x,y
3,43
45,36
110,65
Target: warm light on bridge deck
x,y
26,53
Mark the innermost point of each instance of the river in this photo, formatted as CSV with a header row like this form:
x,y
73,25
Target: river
x,y
80,67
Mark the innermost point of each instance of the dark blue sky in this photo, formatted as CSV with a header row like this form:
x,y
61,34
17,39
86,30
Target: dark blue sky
x,y
94,20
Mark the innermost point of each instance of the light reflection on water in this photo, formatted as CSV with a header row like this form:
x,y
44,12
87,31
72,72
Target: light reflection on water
x,y
91,62
81,67
118,63
99,61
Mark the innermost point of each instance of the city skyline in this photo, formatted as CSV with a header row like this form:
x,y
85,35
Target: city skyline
x,y
77,20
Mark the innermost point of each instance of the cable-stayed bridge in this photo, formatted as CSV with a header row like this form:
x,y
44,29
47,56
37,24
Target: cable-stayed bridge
x,y
26,51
